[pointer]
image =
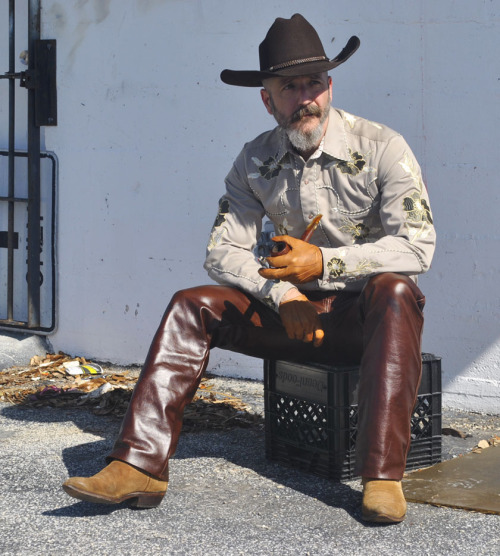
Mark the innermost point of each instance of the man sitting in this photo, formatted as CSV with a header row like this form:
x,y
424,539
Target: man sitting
x,y
347,295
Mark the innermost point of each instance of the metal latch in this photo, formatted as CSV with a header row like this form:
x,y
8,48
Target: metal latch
x,y
41,78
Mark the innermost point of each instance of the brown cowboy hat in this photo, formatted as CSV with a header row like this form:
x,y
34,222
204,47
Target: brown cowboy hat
x,y
291,48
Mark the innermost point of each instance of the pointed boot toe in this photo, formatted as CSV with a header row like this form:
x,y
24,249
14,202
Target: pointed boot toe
x,y
118,482
383,501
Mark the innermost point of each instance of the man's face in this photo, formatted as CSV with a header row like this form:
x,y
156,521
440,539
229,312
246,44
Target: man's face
x,y
300,105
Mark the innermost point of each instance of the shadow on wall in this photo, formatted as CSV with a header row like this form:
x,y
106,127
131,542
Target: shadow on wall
x,y
461,326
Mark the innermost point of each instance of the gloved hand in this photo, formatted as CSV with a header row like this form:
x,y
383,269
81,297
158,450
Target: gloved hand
x,y
300,319
303,263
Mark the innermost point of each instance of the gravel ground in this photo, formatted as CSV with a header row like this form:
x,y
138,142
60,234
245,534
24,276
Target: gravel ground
x,y
224,496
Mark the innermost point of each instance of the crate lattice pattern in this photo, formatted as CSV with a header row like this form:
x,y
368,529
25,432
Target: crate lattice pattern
x,y
307,422
320,437
301,421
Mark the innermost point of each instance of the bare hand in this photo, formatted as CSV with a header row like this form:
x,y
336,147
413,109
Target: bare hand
x,y
303,263
301,320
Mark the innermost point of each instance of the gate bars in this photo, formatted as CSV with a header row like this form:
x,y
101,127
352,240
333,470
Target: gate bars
x,y
40,81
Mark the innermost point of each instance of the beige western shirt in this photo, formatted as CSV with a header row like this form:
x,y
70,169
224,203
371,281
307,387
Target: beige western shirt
x,y
363,179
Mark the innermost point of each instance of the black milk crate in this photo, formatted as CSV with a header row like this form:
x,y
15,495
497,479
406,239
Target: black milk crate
x,y
311,413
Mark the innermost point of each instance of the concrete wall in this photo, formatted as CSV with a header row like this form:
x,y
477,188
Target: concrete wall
x,y
147,132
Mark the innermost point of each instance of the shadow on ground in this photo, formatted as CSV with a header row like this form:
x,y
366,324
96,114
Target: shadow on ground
x,y
242,447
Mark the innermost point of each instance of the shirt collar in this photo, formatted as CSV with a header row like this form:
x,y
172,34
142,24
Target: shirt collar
x,y
335,144
284,145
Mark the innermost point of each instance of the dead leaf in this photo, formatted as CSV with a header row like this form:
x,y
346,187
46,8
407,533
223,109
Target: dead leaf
x,y
494,441
45,383
449,431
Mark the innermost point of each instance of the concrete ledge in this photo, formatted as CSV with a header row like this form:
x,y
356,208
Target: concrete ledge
x,y
16,349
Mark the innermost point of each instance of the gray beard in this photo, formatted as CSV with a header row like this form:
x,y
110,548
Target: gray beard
x,y
305,142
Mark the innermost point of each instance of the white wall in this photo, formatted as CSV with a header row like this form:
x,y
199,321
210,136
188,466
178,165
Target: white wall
x,y
147,132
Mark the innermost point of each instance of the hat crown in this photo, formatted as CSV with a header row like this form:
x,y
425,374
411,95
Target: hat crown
x,y
289,42
291,48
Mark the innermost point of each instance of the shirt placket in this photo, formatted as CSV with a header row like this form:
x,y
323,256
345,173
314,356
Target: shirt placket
x,y
308,197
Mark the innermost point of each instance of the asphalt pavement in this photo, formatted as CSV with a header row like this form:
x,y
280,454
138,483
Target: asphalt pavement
x,y
224,497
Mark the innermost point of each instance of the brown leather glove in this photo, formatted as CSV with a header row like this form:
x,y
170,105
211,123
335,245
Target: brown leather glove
x,y
303,263
301,320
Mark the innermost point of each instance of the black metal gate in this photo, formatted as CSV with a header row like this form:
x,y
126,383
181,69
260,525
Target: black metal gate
x,y
27,185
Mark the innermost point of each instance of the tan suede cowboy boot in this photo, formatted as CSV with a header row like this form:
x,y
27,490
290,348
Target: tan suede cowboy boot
x,y
383,501
117,483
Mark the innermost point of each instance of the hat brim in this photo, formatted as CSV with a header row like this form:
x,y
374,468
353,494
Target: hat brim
x,y
255,78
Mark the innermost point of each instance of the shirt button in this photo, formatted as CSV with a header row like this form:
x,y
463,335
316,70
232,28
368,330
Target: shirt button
x,y
311,216
306,181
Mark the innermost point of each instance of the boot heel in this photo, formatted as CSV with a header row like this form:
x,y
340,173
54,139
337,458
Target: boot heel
x,y
147,500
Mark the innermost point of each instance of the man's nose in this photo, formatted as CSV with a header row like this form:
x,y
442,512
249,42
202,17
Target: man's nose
x,y
305,95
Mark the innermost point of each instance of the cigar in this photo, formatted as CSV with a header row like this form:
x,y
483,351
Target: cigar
x,y
282,248
306,236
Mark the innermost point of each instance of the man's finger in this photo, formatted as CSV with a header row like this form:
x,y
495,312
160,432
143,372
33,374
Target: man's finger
x,y
272,273
319,336
278,274
293,330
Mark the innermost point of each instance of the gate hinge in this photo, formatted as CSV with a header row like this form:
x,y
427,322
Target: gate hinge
x,y
43,81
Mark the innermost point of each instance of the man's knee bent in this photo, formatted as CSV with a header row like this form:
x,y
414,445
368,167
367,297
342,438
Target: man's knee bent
x,y
214,297
393,286
198,294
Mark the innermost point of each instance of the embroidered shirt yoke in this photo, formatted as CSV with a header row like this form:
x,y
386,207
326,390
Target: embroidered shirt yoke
x,y
365,181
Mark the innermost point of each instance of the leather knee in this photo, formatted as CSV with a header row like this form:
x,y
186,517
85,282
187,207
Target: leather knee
x,y
393,288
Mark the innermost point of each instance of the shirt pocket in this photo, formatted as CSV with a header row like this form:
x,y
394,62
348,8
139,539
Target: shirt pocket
x,y
358,228
353,208
349,194
281,199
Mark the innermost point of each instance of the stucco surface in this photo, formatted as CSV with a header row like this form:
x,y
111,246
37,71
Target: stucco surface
x,y
147,132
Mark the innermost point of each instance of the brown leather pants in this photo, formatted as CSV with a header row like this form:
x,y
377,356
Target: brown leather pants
x,y
380,328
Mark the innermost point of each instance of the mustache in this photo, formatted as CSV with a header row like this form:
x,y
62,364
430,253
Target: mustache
x,y
310,110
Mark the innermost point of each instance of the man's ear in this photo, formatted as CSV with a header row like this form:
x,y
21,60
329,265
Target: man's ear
x,y
266,99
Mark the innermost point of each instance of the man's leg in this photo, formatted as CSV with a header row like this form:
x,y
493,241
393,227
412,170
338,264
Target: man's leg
x,y
200,318
391,311
216,316
195,321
